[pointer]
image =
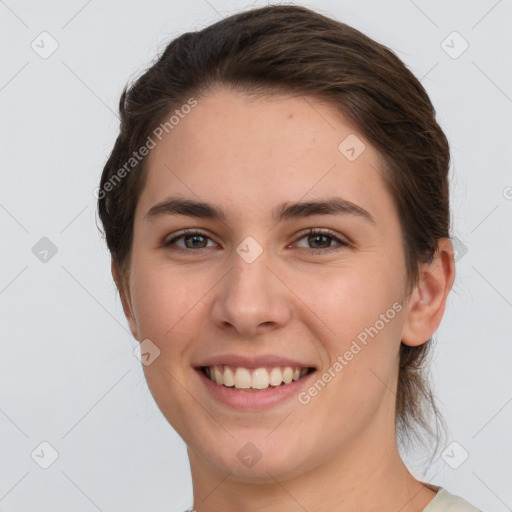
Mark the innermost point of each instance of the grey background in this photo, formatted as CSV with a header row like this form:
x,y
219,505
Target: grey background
x,y
68,376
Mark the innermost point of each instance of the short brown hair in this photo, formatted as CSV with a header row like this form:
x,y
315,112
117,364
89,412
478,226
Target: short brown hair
x,y
292,49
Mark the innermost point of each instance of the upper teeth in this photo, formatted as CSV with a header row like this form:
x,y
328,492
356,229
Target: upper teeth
x,y
259,378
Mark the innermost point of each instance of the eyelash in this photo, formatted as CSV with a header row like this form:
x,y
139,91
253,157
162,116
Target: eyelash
x,y
311,232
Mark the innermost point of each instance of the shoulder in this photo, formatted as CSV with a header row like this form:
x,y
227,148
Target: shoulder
x,y
447,502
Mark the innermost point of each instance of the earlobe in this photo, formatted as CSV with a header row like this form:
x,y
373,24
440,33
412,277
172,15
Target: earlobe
x,y
125,300
427,302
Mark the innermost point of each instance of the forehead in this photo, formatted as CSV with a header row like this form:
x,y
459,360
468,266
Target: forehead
x,y
251,153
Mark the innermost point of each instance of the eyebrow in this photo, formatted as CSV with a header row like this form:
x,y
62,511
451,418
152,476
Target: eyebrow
x,y
284,211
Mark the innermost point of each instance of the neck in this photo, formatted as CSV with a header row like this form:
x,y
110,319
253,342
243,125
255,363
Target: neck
x,y
369,479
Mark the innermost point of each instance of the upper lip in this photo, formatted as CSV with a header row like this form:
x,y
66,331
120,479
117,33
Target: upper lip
x,y
261,361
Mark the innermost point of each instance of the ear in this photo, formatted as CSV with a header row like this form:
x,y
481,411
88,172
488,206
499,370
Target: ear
x,y
427,302
125,300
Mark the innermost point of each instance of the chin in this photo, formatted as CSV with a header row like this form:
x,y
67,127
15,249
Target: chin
x,y
244,462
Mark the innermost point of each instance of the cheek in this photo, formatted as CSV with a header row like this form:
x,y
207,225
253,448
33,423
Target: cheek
x,y
165,301
345,301
358,317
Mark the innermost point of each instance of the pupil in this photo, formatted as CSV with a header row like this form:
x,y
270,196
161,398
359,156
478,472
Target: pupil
x,y
317,237
195,239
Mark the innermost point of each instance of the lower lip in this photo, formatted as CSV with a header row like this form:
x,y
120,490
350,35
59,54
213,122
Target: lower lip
x,y
254,400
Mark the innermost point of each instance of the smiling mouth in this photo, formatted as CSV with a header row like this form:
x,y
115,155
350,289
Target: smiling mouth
x,y
256,379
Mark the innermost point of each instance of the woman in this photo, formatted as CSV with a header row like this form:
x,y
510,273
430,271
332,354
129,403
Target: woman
x,y
291,370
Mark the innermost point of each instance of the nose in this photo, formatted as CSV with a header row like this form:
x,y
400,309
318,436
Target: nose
x,y
251,298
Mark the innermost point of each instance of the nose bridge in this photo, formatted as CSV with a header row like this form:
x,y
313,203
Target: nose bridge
x,y
251,294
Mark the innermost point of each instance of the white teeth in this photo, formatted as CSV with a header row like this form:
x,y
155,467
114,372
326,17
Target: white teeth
x,y
228,377
276,377
217,375
259,378
287,375
242,378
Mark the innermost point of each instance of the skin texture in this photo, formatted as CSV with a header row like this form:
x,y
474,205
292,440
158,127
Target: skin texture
x,y
339,451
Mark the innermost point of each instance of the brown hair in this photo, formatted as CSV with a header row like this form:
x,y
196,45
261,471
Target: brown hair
x,y
294,50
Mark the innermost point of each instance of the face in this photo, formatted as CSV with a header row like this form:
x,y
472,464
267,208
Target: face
x,y
254,288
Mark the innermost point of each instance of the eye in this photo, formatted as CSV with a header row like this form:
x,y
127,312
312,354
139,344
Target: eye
x,y
322,238
192,240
